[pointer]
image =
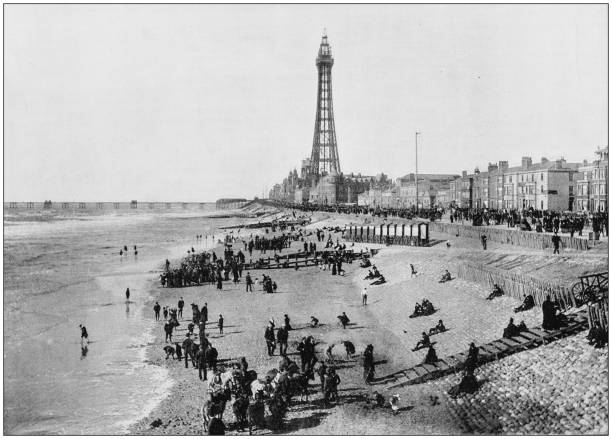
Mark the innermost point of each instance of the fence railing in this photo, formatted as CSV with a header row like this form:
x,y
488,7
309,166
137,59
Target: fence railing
x,y
513,237
598,313
516,285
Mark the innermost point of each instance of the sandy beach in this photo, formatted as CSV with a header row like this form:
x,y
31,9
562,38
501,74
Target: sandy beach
x,y
383,323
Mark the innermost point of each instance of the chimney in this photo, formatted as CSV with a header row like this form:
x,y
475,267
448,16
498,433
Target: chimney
x,y
526,162
491,167
464,174
559,163
503,165
476,171
585,162
544,160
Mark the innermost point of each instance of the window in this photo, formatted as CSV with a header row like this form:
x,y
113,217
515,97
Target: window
x,y
602,189
541,189
571,190
510,178
542,176
571,176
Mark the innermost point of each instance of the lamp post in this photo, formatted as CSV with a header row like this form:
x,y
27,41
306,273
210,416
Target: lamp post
x,y
416,167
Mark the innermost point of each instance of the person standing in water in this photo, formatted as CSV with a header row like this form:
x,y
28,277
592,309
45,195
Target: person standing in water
x,y
84,335
127,294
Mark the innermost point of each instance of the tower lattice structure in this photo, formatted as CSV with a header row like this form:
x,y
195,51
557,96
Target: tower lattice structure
x,y
324,158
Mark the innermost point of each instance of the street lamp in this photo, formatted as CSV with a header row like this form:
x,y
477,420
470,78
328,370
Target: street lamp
x,y
416,167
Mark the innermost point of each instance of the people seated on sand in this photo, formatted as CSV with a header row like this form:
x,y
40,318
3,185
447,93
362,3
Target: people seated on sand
x,y
418,309
468,384
561,319
370,275
511,330
424,342
376,400
376,272
365,263
597,336
314,322
497,292
527,304
522,327
344,320
472,359
431,356
381,280
549,321
438,328
445,277
427,307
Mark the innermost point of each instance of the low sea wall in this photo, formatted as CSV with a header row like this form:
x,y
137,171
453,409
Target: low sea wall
x,y
516,285
533,240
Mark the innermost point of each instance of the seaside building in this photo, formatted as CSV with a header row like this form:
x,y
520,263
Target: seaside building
x,y
544,185
433,189
592,184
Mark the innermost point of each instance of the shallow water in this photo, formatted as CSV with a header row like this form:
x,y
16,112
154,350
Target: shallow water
x,y
63,271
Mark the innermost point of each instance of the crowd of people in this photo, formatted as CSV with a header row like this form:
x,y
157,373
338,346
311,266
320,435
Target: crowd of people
x,y
290,378
533,219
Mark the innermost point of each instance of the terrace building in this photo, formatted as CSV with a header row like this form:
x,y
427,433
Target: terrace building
x,y
592,184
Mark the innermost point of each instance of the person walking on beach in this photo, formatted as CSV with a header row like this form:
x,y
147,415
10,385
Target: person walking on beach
x,y
168,328
165,313
483,240
220,324
368,364
84,335
281,337
127,294
204,312
413,271
556,239
269,337
364,297
188,350
201,361
156,309
249,283
181,305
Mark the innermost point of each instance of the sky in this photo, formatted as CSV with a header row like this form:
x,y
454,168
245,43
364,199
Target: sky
x,y
199,102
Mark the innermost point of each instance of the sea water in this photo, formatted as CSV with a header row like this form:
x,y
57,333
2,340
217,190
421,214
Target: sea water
x,y
62,270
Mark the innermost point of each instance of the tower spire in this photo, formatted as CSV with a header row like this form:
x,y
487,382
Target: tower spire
x,y
324,157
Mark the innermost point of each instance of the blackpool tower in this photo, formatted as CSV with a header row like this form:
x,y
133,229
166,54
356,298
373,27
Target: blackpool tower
x,y
324,157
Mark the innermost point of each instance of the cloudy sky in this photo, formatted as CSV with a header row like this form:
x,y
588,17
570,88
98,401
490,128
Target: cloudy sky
x,y
197,102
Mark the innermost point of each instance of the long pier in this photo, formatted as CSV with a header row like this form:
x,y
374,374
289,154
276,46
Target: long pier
x,y
104,205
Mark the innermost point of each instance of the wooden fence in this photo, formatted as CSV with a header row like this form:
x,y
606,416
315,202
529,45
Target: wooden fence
x,y
598,313
515,284
509,236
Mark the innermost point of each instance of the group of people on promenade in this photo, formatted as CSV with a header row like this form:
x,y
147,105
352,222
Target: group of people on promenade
x,y
533,219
